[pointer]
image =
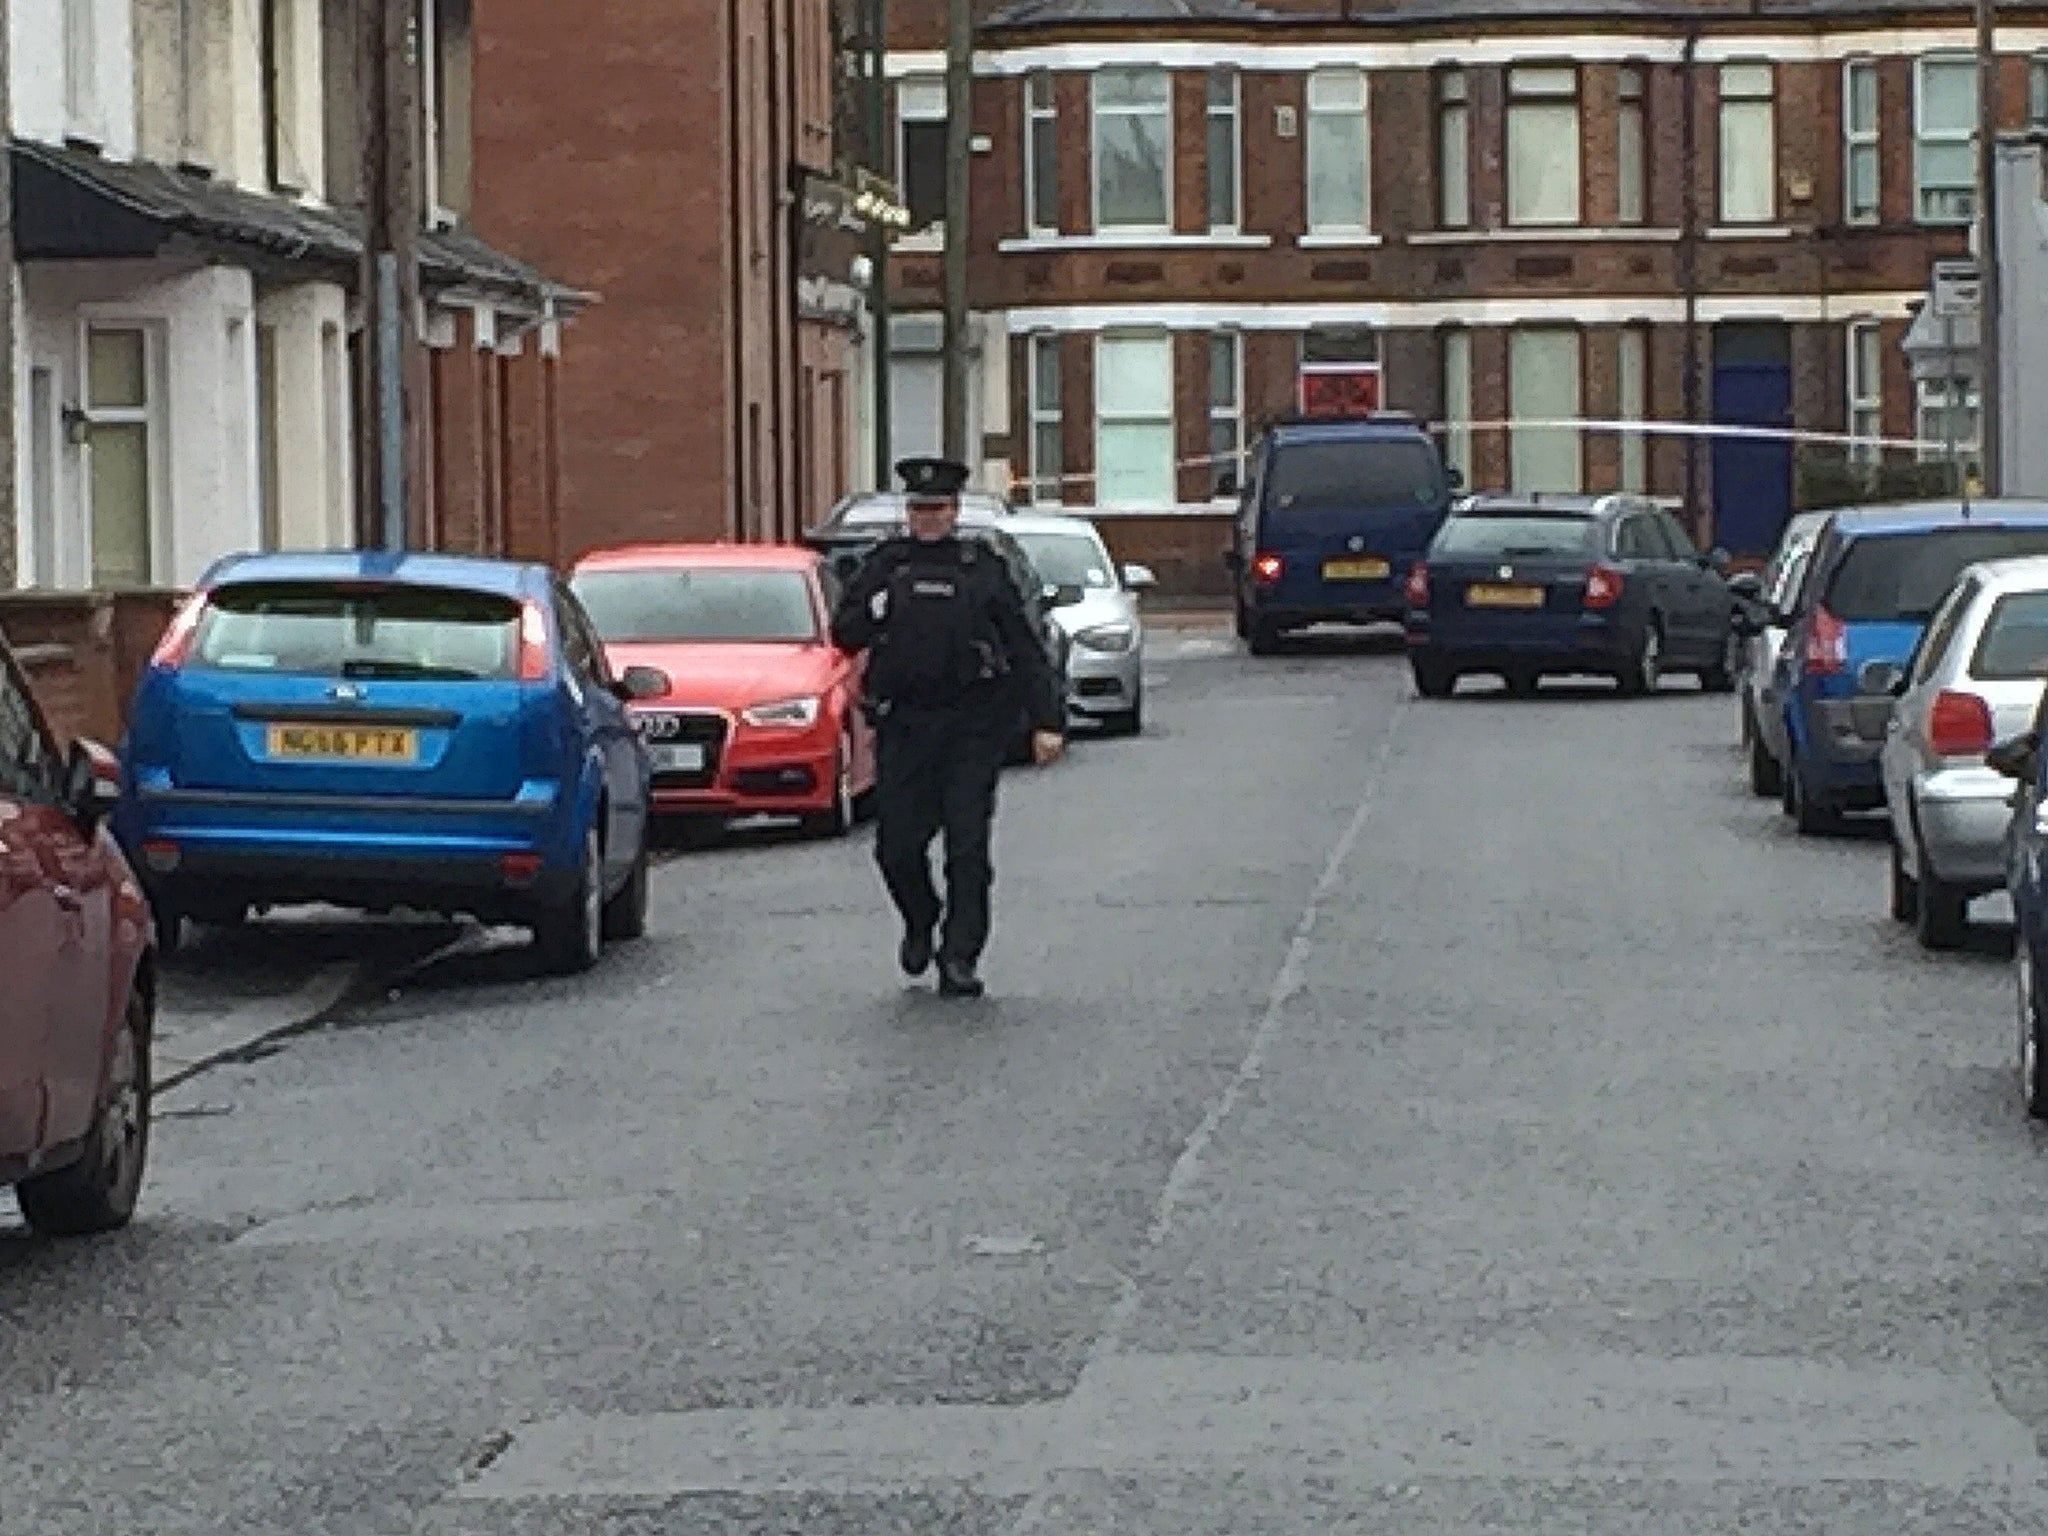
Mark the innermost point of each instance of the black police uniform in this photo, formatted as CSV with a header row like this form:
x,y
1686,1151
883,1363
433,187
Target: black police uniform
x,y
956,658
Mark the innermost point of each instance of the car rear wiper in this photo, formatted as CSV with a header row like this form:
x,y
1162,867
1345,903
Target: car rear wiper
x,y
1524,551
417,669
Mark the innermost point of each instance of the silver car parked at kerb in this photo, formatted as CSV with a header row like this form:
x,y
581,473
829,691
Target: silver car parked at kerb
x,y
1097,606
1775,589
1975,680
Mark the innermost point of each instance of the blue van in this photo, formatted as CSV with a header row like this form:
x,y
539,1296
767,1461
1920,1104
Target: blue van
x,y
1875,579
1334,513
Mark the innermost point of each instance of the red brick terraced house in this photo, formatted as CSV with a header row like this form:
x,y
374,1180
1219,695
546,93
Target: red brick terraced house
x,y
1187,212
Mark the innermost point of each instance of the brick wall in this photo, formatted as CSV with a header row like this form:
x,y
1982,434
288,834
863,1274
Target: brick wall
x,y
84,652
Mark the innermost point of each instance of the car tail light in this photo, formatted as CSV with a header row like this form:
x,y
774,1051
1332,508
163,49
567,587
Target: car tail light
x,y
1266,567
171,650
161,855
1959,724
1827,643
520,868
533,644
1418,585
1603,586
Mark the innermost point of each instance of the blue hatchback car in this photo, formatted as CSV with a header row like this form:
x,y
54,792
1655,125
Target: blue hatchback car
x,y
1875,578
1334,513
377,731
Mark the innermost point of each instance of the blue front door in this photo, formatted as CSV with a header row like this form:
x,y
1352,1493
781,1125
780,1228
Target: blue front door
x,y
1752,476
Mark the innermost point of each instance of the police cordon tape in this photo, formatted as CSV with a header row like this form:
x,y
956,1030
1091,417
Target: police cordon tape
x,y
1644,428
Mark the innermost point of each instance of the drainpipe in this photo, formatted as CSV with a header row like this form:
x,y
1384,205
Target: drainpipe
x,y
1688,268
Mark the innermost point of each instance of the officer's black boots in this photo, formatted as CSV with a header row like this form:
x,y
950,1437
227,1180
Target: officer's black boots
x,y
957,978
916,953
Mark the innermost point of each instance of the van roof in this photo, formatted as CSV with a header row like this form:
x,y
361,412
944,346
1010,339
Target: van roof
x,y
1380,425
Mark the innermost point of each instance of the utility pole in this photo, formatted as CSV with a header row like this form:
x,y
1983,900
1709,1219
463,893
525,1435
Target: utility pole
x,y
1988,362
878,292
959,174
390,50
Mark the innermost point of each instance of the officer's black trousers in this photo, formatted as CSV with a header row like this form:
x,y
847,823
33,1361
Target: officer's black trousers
x,y
939,771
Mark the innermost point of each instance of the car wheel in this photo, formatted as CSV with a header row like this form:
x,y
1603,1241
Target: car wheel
x,y
837,819
1129,722
1522,683
1766,778
98,1192
1720,677
1433,680
1942,912
1264,637
1645,672
571,936
1812,815
1905,890
2033,1059
625,915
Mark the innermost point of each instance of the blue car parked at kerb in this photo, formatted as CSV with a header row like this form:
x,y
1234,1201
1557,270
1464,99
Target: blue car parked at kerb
x,y
1876,577
1334,513
380,731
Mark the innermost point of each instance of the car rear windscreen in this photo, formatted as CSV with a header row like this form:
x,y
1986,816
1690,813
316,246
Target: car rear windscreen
x,y
2014,645
1906,575
338,629
1350,475
706,604
1521,535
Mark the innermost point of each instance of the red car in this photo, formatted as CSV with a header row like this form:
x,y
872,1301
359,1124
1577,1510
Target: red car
x,y
78,1003
762,712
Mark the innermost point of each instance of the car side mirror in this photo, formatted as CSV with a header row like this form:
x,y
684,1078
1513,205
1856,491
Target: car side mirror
x,y
92,783
2015,758
1749,586
1881,677
1139,578
639,684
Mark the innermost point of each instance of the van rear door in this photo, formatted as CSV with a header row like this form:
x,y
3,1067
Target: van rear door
x,y
1344,511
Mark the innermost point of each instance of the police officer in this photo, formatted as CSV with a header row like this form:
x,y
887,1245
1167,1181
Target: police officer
x,y
955,658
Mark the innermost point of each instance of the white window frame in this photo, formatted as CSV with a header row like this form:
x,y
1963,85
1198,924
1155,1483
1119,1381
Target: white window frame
x,y
1362,113
1922,138
1533,89
1861,404
1632,395
1232,112
1632,147
1161,419
1045,481
1861,141
914,105
1744,86
1453,149
1164,113
1232,413
1037,113
2037,92
1456,360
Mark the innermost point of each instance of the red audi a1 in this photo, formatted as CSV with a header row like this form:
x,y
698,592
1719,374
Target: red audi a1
x,y
762,712
77,981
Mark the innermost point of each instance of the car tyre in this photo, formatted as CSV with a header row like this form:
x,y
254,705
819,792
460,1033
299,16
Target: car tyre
x,y
1264,637
2033,1056
625,915
1130,722
1720,677
837,820
1766,778
1905,890
1941,914
1813,816
1644,673
571,936
98,1192
1522,682
1433,679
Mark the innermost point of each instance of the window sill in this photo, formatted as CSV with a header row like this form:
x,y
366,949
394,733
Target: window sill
x,y
1750,232
1118,240
1532,234
927,242
1346,240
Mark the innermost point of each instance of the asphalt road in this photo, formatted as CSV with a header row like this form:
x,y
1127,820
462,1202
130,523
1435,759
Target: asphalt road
x,y
1390,1116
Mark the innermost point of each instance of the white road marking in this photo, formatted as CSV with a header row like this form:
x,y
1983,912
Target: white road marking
x,y
442,1223
1501,1414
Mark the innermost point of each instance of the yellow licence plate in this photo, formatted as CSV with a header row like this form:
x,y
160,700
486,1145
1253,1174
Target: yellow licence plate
x,y
344,743
1483,595
1356,570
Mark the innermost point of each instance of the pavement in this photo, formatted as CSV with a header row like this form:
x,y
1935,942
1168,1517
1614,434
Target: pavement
x,y
1388,1116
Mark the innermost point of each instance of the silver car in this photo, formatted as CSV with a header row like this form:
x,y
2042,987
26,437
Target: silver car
x,y
1974,680
1763,710
1097,609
